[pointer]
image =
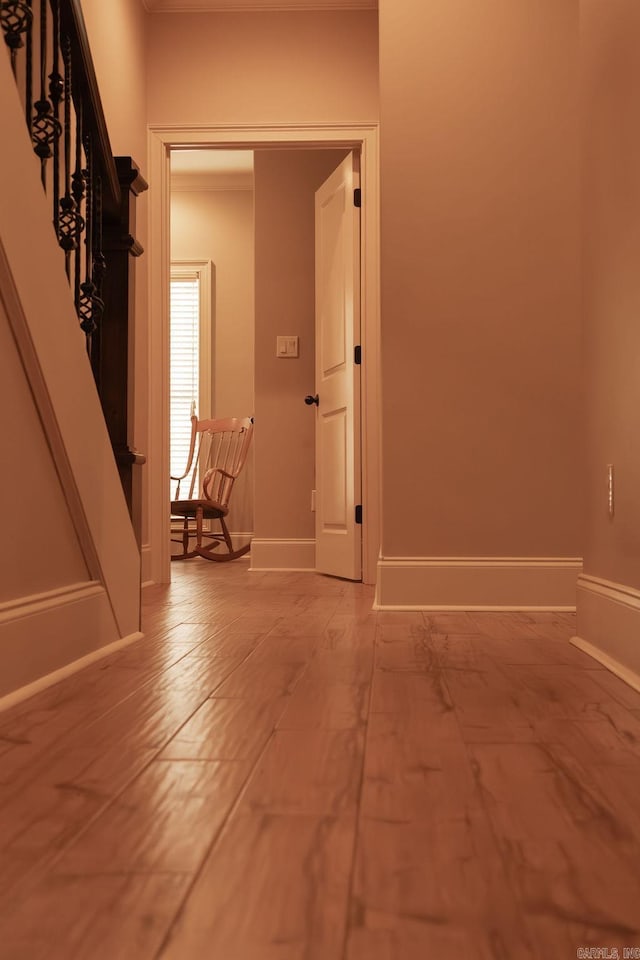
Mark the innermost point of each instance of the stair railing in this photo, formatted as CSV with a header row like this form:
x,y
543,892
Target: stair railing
x,y
92,197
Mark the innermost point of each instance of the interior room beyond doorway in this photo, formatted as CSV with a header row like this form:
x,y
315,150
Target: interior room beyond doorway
x,y
250,214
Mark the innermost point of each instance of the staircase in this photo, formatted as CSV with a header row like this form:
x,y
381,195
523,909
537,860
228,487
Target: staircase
x,y
70,563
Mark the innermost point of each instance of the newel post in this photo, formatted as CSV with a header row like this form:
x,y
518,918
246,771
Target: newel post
x,y
113,354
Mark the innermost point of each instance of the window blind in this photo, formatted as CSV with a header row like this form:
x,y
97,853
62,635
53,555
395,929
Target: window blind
x,y
184,367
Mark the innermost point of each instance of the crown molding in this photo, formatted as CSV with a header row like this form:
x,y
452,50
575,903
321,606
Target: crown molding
x,y
254,6
212,181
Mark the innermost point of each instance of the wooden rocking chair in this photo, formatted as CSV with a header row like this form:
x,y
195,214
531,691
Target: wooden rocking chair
x,y
217,453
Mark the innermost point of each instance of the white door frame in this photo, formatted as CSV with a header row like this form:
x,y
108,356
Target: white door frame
x,y
361,137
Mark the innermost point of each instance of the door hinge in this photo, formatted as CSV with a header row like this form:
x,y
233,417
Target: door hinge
x,y
359,513
357,197
357,354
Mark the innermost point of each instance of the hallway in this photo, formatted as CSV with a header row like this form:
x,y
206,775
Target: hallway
x,y
276,773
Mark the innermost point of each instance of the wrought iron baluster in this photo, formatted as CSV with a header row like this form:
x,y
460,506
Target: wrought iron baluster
x,y
15,18
87,287
29,72
70,222
77,190
44,129
56,93
99,261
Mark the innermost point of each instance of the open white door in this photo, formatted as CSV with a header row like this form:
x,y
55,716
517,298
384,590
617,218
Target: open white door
x,y
338,479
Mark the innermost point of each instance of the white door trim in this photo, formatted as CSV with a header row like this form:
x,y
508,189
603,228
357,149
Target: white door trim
x,y
362,137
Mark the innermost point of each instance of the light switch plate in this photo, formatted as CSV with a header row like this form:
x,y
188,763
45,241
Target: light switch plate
x,y
287,347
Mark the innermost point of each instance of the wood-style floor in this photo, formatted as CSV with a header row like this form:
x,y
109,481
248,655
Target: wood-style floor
x,y
278,773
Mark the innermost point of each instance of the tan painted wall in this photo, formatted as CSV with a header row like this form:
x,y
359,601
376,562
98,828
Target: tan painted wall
x,y
611,219
263,67
218,225
117,33
285,184
480,278
36,513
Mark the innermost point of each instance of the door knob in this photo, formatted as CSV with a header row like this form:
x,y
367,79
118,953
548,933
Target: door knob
x,y
309,400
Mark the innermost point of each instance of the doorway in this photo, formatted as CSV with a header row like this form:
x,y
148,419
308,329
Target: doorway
x,y
212,223
364,140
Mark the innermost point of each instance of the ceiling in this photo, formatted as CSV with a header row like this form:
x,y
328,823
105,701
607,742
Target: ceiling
x,y
211,161
207,6
212,169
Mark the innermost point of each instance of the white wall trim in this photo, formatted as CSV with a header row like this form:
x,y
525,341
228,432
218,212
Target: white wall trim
x,y
632,677
283,555
212,182
618,592
477,583
360,136
608,625
145,565
17,696
19,607
48,636
254,6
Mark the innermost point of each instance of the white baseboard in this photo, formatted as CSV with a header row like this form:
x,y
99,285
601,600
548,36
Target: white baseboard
x,y
608,626
48,636
477,583
145,565
283,554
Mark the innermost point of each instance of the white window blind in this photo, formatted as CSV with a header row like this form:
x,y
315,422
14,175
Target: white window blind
x,y
184,368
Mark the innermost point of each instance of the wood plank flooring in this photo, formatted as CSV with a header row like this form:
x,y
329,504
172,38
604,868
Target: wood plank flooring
x,y
276,772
